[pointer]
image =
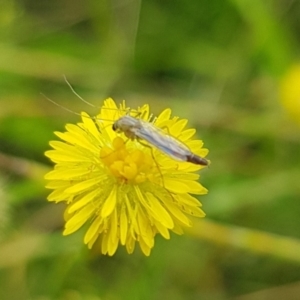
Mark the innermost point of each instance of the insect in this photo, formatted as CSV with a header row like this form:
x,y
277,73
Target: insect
x,y
137,129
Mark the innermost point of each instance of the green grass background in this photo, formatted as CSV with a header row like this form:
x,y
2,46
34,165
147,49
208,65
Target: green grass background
x,y
217,63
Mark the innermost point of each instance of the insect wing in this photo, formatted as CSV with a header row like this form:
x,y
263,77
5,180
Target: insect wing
x,y
162,141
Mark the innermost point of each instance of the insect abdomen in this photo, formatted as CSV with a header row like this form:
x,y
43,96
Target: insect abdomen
x,y
197,160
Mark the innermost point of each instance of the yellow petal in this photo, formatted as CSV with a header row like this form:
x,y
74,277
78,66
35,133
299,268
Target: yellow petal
x,y
184,186
162,230
104,243
176,129
78,219
113,238
130,244
110,203
93,230
58,195
57,184
145,248
176,212
90,125
84,200
82,138
123,226
84,185
145,229
163,116
57,156
66,174
159,211
187,134
188,200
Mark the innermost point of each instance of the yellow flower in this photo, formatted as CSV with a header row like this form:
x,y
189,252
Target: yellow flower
x,y
124,190
289,89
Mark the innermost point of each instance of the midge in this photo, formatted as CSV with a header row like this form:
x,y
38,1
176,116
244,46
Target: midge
x,y
138,129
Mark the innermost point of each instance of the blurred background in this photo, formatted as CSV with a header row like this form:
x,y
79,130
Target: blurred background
x,y
229,66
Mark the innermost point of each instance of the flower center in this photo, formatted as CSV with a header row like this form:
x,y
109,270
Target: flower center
x,y
128,165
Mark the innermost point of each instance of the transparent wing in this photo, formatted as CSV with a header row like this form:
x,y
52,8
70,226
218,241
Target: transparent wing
x,y
164,142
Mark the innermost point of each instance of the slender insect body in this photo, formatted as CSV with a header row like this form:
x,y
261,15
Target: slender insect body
x,y
141,130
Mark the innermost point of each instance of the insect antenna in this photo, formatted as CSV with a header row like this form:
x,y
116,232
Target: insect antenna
x,y
60,106
72,111
76,94
90,104
127,110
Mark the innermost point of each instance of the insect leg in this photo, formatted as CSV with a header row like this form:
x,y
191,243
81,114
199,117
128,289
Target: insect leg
x,y
157,166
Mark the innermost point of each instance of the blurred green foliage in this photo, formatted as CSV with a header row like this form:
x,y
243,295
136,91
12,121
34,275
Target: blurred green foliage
x,y
217,63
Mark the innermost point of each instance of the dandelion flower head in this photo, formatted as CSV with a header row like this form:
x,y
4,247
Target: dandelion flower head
x,y
124,191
